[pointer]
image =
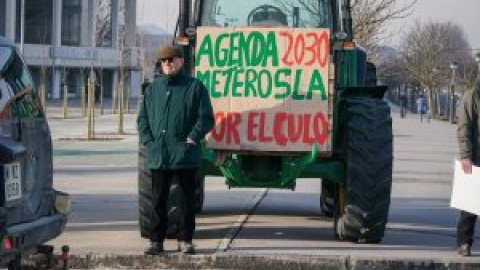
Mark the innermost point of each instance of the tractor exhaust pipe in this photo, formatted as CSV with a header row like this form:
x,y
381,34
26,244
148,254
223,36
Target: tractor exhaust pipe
x,y
183,24
347,21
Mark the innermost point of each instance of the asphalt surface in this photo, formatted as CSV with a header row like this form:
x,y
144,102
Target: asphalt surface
x,y
254,228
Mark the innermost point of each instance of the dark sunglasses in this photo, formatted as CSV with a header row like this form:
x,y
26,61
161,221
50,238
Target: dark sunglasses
x,y
169,59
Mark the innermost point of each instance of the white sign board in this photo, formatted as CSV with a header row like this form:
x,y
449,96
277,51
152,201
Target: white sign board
x,y
269,87
466,189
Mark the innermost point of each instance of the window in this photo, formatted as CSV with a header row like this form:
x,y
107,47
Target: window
x,y
3,7
17,97
38,21
71,19
291,13
104,23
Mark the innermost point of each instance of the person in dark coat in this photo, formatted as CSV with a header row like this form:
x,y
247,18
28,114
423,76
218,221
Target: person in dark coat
x,y
421,107
175,116
468,139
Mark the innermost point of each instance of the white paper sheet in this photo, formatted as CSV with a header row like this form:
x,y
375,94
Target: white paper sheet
x,y
466,189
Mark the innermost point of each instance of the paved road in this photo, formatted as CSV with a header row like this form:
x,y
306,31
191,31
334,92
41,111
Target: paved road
x,y
101,176
421,223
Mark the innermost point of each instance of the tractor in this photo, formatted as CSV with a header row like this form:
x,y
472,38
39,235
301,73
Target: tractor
x,y
294,97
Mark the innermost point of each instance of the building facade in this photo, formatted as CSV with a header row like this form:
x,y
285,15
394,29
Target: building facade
x,y
64,41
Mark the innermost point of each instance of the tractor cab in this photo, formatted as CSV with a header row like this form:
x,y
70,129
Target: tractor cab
x,y
269,13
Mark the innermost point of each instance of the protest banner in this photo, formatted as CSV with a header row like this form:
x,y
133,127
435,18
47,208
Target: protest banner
x,y
269,87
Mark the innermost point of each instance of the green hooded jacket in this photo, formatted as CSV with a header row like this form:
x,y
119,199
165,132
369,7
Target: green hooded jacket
x,y
469,125
174,108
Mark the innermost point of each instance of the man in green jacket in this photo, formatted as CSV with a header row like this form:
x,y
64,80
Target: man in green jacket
x,y
175,116
468,139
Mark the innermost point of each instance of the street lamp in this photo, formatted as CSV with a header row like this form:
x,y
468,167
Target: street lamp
x,y
454,67
436,106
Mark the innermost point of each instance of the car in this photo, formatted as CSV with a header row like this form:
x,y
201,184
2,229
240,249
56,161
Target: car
x,y
32,212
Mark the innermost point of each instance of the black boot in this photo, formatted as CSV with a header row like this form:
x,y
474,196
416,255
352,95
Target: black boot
x,y
155,248
188,248
464,250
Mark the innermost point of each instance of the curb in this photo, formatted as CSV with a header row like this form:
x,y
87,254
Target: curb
x,y
267,261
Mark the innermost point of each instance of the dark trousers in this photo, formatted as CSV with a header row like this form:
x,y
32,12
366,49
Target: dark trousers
x,y
465,228
161,182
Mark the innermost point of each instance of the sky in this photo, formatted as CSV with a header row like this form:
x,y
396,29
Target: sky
x,y
163,13
465,13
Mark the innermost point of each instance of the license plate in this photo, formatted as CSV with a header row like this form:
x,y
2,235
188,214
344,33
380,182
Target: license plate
x,y
13,181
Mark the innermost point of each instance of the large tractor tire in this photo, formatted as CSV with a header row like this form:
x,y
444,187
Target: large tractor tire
x,y
145,199
144,193
327,198
199,192
174,211
366,194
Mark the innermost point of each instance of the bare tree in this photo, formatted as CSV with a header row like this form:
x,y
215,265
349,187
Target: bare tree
x,y
101,87
65,93
104,32
121,90
370,17
104,38
469,70
91,105
83,98
44,66
146,63
391,73
313,7
123,55
42,89
428,51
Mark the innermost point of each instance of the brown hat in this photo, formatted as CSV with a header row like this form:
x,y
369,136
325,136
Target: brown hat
x,y
170,52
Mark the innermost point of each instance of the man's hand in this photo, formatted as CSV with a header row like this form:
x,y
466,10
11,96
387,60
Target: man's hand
x,y
190,141
467,166
148,142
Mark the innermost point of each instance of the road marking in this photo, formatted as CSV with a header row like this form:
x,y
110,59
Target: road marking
x,y
242,219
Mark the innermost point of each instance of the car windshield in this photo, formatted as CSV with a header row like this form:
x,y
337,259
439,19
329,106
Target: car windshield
x,y
290,13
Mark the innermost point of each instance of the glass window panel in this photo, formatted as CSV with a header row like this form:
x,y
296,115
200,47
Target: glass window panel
x,y
38,21
71,19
